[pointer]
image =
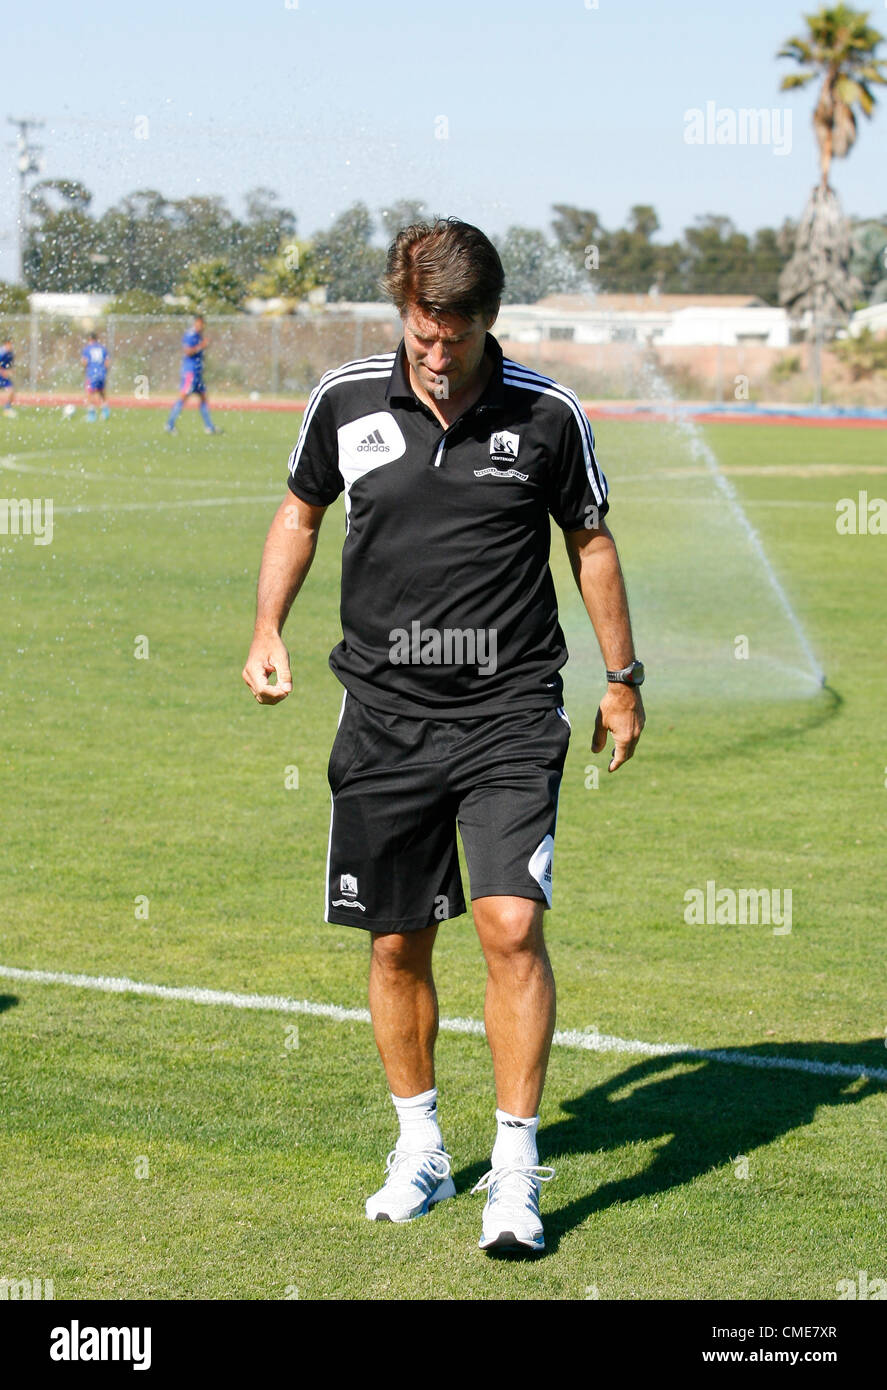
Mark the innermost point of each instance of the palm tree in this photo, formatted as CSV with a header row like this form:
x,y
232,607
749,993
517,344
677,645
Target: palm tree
x,y
840,45
817,285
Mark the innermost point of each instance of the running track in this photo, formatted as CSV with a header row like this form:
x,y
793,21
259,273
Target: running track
x,y
617,411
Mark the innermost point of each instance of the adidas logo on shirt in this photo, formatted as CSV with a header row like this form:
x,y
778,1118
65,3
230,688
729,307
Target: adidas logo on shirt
x,y
373,444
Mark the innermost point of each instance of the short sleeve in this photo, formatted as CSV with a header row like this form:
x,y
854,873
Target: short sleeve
x,y
577,490
314,463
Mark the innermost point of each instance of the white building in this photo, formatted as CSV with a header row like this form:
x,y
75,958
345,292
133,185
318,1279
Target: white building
x,y
72,306
873,317
670,319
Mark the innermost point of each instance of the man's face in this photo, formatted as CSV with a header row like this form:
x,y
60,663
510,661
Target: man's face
x,y
444,353
198,325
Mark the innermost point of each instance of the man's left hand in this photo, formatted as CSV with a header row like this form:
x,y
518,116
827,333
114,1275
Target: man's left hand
x,y
621,711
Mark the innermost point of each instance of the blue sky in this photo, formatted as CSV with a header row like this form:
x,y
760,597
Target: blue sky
x,y
329,101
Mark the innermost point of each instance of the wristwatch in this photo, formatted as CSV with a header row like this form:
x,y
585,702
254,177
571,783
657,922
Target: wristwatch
x,y
630,675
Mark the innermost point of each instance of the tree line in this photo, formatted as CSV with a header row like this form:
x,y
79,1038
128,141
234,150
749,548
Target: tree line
x,y
147,246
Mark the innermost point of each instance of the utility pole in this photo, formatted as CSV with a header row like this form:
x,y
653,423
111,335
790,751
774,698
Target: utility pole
x,y
27,163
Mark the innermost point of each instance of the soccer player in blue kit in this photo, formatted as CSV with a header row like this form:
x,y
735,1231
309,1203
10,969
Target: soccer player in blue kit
x,y
194,344
96,361
7,388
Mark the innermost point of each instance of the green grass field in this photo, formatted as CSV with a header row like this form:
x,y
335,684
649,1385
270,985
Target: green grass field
x,y
167,1150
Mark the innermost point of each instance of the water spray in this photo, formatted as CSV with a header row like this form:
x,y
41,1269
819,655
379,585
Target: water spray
x,y
700,450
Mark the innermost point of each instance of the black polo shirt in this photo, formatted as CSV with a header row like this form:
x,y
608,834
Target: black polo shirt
x,y
447,603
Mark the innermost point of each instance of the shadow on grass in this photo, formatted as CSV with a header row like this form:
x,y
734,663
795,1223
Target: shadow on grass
x,y
704,1118
744,723
8,1001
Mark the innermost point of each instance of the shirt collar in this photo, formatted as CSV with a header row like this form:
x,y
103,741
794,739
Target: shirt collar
x,y
492,397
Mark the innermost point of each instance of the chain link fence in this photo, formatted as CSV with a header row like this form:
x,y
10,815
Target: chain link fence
x,y
284,357
280,357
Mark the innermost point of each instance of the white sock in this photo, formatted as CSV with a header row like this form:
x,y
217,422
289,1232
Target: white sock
x,y
419,1129
515,1144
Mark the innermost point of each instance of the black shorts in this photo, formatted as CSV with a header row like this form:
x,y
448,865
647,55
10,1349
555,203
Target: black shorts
x,y
400,786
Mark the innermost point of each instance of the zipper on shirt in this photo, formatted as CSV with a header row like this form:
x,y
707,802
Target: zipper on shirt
x,y
439,451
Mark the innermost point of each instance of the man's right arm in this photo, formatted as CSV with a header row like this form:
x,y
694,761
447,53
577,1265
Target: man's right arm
x,y
286,559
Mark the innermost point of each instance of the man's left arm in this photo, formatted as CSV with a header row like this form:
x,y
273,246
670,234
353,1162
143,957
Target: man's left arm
x,y
598,575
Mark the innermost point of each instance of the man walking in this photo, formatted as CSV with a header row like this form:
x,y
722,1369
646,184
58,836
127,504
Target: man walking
x,y
451,459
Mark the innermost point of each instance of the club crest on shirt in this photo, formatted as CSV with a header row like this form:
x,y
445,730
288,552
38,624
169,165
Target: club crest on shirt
x,y
504,446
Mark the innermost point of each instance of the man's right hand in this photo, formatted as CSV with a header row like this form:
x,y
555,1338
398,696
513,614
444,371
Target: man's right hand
x,y
268,654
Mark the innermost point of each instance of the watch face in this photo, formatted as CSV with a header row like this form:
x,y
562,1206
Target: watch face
x,y
637,673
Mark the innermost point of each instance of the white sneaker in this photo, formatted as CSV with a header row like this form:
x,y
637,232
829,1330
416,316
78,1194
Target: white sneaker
x,y
511,1216
414,1183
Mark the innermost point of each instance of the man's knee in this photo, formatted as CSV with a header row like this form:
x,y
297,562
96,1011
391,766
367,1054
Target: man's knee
x,y
509,927
402,952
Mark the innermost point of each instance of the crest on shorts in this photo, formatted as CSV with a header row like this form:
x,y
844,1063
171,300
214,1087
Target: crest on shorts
x,y
348,889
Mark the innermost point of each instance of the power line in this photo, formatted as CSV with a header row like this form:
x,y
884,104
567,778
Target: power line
x,y
28,162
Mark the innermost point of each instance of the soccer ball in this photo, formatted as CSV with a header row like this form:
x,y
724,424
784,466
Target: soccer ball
x,y
69,411
254,395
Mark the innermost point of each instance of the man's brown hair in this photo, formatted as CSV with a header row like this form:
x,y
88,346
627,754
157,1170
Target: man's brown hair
x,y
446,267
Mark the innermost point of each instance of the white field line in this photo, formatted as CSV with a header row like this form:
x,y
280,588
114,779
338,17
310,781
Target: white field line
x,y
812,472
77,475
12,460
665,501
169,506
173,504
587,1041
65,475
